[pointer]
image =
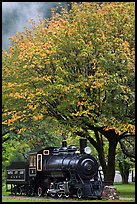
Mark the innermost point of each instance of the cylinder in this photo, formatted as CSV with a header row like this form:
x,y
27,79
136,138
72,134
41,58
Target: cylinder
x,y
83,144
64,143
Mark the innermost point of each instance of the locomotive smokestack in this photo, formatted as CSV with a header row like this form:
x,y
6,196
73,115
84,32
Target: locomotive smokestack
x,y
83,144
64,143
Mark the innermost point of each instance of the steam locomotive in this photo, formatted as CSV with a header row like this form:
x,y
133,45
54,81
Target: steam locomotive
x,y
55,171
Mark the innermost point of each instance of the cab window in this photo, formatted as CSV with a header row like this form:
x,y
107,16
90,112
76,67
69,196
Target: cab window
x,y
32,160
39,162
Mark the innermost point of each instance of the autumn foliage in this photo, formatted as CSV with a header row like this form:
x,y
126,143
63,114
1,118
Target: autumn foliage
x,y
78,66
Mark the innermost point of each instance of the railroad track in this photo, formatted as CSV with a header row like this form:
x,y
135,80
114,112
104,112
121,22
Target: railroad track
x,y
58,199
45,198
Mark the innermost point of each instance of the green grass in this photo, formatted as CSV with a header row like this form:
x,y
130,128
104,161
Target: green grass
x,y
126,190
4,193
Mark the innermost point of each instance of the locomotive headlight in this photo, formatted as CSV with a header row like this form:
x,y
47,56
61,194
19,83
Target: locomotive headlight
x,y
87,150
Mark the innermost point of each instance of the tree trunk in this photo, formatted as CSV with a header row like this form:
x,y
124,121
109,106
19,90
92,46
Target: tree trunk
x,y
125,177
124,171
110,170
100,151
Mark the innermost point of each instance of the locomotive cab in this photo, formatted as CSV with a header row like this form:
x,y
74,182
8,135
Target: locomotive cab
x,y
32,164
36,158
35,163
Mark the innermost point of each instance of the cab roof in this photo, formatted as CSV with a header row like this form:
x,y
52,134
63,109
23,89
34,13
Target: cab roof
x,y
39,150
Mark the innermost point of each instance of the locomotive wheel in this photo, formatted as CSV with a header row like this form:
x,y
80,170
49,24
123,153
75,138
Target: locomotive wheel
x,y
29,192
40,191
20,191
14,191
66,195
52,195
79,193
59,195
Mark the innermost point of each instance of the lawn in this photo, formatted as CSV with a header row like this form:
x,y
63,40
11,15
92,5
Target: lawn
x,y
126,190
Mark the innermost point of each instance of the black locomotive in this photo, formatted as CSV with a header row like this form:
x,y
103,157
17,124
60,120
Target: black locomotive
x,y
53,171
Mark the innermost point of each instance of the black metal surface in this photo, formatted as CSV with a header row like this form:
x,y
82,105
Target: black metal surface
x,y
60,165
64,143
87,167
63,167
83,144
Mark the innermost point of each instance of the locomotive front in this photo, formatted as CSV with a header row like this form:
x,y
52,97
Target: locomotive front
x,y
67,162
72,172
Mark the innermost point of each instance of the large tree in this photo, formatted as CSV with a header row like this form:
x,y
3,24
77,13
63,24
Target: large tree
x,y
78,68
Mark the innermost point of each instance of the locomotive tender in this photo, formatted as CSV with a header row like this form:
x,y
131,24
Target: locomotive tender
x,y
57,172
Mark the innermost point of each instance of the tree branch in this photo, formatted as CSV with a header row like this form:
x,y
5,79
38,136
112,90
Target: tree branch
x,y
124,135
5,139
125,151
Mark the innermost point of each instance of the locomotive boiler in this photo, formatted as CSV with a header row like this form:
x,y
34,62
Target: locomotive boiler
x,y
57,171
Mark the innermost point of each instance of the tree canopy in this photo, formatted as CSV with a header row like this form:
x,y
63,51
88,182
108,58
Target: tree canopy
x,y
77,67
